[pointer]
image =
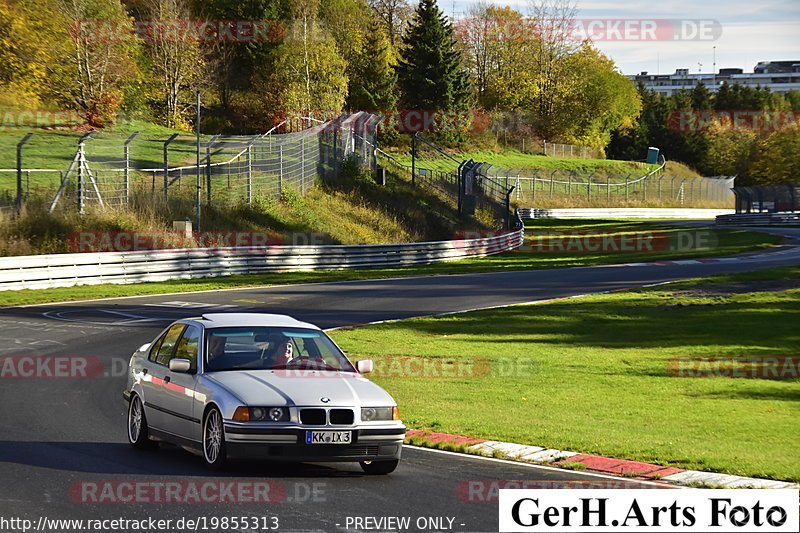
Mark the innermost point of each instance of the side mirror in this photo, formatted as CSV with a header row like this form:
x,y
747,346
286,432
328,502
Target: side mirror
x,y
180,365
364,367
144,347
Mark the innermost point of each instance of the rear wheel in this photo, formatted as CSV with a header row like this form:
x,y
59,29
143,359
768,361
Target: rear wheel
x,y
214,439
379,467
138,433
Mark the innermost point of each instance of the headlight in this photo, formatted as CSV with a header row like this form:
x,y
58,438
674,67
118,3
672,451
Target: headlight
x,y
261,414
371,414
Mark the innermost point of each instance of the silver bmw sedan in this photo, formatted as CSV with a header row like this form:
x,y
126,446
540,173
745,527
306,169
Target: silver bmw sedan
x,y
259,386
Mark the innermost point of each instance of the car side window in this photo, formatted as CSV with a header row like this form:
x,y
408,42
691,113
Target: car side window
x,y
154,348
187,346
168,344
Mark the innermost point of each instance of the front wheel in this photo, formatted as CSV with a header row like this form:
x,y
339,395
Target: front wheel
x,y
214,440
138,433
379,467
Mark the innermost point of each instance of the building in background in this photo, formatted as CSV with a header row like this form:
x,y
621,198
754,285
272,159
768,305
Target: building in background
x,y
778,76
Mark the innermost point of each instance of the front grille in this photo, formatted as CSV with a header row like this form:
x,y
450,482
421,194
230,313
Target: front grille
x,y
342,416
322,450
312,417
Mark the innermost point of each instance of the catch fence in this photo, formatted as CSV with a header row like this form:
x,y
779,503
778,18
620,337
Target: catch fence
x,y
107,169
532,187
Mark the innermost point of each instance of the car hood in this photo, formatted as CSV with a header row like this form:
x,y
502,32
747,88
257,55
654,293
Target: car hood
x,y
267,388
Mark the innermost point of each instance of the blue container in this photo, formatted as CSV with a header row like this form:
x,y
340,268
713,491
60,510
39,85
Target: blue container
x,y
652,155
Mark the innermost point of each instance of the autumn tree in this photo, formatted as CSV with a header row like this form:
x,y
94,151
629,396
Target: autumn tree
x,y
176,61
306,74
395,16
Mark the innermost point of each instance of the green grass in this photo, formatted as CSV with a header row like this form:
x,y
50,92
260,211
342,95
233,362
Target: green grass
x,y
590,375
729,241
516,159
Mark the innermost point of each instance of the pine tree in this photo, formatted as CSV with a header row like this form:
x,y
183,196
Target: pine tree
x,y
430,71
374,86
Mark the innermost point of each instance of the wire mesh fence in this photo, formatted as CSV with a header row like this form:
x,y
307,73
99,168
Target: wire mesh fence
x,y
534,187
107,169
460,182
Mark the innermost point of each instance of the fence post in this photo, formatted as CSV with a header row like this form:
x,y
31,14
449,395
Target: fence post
x,y
166,166
589,188
126,172
20,192
249,174
552,176
659,188
81,157
569,184
626,188
608,188
303,165
280,172
414,160
208,174
644,190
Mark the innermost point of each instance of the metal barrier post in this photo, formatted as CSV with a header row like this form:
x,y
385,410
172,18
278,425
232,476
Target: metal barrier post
x,y
19,171
81,155
126,172
414,160
249,174
166,166
280,173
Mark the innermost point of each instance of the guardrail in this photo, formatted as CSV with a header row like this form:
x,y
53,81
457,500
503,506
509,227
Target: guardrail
x,y
623,212
66,270
759,219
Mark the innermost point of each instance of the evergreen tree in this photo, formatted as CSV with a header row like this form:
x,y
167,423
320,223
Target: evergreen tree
x,y
374,85
430,71
701,97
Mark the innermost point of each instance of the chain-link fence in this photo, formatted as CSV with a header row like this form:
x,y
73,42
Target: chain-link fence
x,y
532,188
461,183
773,198
565,151
107,169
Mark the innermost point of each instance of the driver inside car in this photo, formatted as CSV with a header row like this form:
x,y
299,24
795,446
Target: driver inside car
x,y
283,353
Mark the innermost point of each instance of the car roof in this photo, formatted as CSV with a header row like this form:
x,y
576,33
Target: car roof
x,y
214,320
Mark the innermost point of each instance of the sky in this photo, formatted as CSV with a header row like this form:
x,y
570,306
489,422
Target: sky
x,y
748,31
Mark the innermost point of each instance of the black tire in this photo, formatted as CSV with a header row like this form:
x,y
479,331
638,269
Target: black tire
x,y
214,440
138,432
379,468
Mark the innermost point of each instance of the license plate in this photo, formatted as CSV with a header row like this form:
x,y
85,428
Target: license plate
x,y
328,437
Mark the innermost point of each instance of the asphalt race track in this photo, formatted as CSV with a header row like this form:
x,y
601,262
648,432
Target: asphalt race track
x,y
60,437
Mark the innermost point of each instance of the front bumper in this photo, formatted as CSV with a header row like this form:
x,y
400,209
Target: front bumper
x,y
288,443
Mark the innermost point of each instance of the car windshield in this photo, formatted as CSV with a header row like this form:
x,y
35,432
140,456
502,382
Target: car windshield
x,y
264,348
